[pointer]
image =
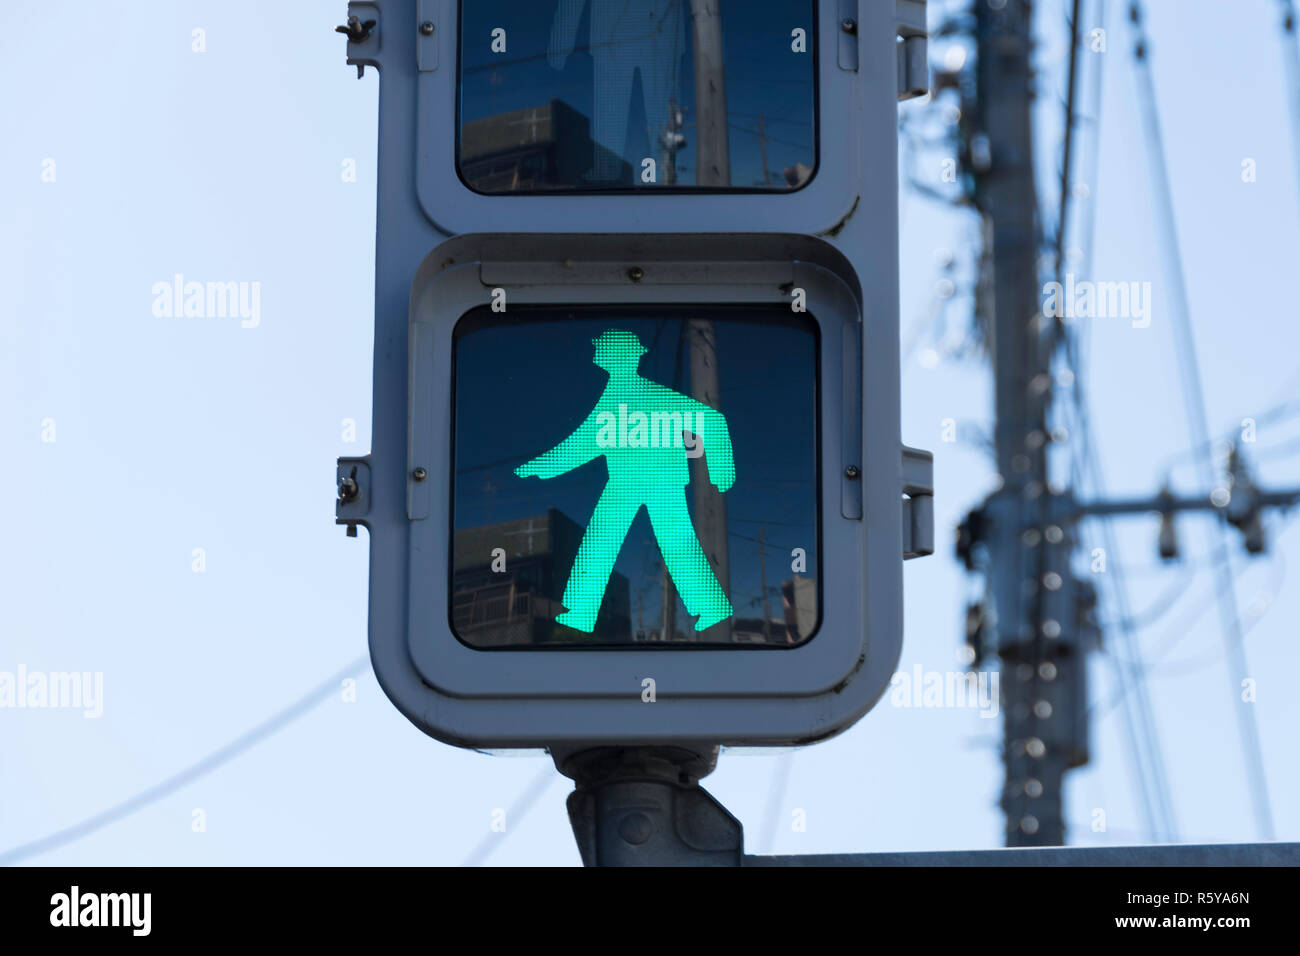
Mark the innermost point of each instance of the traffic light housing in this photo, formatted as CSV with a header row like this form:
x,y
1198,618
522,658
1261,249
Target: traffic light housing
x,y
497,615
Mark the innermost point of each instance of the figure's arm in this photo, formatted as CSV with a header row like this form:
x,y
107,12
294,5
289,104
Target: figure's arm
x,y
717,447
574,452
564,31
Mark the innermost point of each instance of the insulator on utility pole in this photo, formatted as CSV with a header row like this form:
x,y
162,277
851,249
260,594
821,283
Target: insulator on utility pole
x,y
1168,538
1253,533
1243,506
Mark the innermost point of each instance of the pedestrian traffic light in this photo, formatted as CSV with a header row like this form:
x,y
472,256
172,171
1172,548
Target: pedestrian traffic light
x,y
645,432
636,474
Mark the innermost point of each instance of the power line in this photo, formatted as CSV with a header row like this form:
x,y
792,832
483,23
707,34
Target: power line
x,y
1144,747
1063,213
1284,449
218,758
1194,407
1148,772
776,796
1176,634
1279,411
1179,631
517,811
1291,64
1163,605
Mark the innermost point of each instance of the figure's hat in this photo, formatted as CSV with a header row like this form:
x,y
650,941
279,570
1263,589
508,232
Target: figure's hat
x,y
618,343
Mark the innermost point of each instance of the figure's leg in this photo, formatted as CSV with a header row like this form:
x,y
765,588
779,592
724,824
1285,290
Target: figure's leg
x,y
597,553
686,560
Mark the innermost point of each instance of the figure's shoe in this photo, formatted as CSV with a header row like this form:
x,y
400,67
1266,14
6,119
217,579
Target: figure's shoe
x,y
576,621
712,617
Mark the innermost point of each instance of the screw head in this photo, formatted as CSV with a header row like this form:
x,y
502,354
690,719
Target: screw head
x,y
420,473
852,473
849,25
635,828
426,28
636,273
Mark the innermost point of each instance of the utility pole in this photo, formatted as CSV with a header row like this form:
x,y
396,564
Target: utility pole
x,y
712,168
1030,613
672,139
667,606
712,152
1036,616
710,509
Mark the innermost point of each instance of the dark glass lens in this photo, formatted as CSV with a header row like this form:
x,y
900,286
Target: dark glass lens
x,y
626,476
597,95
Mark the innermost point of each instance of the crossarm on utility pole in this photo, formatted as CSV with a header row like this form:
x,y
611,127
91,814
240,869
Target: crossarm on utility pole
x,y
1169,504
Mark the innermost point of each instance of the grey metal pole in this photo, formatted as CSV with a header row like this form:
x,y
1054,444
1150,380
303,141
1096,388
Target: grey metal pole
x,y
1169,854
643,806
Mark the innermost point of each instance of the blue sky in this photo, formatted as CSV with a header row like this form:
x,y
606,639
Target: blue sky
x,y
173,434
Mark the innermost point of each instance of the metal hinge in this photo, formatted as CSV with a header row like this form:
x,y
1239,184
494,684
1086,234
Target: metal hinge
x,y
426,35
353,503
918,505
362,31
913,68
848,47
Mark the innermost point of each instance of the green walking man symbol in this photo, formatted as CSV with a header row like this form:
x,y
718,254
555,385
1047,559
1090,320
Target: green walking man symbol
x,y
646,432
